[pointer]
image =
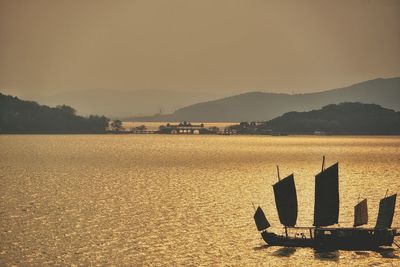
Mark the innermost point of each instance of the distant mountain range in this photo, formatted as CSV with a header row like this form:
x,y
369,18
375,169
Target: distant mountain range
x,y
121,104
260,106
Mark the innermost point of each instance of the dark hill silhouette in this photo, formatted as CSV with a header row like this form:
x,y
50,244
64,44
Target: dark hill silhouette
x,y
344,118
258,106
19,116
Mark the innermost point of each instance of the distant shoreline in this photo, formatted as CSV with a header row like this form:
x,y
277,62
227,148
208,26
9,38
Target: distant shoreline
x,y
130,133
347,118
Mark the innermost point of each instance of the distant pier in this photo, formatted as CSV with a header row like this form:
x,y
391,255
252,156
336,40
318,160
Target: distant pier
x,y
186,127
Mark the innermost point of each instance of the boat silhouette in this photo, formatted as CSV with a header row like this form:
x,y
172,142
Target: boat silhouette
x,y
324,234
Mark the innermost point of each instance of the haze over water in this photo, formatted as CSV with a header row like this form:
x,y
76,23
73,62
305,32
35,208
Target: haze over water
x,y
177,200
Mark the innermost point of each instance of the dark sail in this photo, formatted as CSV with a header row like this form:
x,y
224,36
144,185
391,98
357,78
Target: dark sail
x,y
260,219
361,213
286,200
386,212
326,206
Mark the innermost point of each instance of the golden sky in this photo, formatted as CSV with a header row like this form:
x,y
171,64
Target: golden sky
x,y
186,45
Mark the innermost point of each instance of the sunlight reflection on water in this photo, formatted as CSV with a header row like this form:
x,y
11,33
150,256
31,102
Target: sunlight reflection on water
x,y
186,200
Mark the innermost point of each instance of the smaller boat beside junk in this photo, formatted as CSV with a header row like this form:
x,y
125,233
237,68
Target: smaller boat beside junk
x,y
325,234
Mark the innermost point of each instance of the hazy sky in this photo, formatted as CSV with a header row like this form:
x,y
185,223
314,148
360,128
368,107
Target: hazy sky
x,y
281,46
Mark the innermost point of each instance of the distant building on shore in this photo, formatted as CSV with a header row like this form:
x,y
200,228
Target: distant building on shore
x,y
186,127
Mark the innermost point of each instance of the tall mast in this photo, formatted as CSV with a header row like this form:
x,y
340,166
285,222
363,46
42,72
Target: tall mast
x,y
277,169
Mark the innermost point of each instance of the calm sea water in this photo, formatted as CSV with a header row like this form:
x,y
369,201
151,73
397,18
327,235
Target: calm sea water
x,y
177,200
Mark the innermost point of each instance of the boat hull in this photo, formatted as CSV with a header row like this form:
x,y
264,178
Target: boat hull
x,y
353,239
333,239
278,240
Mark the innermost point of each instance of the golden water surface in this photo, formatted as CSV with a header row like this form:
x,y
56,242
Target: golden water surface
x,y
177,200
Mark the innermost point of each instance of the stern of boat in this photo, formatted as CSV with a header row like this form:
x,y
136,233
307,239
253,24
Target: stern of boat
x,y
385,237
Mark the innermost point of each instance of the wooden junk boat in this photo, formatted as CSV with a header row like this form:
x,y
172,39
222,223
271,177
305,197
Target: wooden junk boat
x,y
323,234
